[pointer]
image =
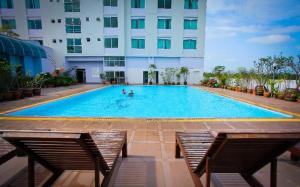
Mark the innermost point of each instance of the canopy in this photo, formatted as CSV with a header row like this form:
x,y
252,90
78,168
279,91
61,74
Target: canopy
x,y
17,47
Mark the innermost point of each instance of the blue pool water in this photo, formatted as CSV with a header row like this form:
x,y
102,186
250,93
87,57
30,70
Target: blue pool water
x,y
149,102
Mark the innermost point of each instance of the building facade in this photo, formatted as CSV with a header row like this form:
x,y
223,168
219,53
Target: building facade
x,y
120,38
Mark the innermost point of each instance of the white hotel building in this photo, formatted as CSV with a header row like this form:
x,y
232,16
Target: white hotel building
x,y
118,37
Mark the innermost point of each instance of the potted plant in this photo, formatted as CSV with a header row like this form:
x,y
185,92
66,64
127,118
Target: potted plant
x,y
151,73
290,94
38,82
267,94
27,84
184,71
280,95
103,78
178,78
162,75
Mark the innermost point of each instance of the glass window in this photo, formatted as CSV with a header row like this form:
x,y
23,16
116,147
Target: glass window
x,y
111,42
190,4
34,24
73,25
111,22
6,4
164,4
138,43
74,45
32,4
190,24
114,61
164,24
113,3
189,44
72,5
137,3
137,23
9,23
164,43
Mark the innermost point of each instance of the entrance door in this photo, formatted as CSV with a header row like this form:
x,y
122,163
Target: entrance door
x,y
80,75
145,77
156,77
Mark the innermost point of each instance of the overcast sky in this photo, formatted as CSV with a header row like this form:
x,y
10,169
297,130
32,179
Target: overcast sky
x,y
241,31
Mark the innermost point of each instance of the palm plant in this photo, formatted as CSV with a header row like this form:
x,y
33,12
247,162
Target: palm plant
x,y
184,71
151,73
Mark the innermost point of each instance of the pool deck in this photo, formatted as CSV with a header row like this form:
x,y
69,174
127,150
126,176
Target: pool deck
x,y
151,160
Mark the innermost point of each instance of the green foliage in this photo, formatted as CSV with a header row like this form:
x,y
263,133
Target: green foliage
x,y
151,72
184,71
5,74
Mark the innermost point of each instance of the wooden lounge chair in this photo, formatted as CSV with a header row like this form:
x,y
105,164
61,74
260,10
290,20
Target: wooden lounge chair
x,y
7,151
243,153
295,152
60,151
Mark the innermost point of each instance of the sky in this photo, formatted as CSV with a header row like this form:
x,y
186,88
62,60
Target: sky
x,y
241,31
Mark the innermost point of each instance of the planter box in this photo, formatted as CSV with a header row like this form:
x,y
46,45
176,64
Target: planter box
x,y
36,91
28,92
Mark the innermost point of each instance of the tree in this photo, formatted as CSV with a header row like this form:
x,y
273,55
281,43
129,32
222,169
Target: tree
x,y
295,67
263,69
151,73
184,71
7,31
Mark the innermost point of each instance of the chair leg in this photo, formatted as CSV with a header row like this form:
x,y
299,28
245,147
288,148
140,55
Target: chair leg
x,y
97,177
30,171
124,150
177,150
53,178
273,177
207,171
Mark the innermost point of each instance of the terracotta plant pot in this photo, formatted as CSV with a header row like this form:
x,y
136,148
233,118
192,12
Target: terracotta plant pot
x,y
267,94
28,92
259,90
250,91
18,94
298,100
36,91
8,96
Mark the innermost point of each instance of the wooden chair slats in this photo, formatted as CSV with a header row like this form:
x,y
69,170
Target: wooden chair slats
x,y
59,151
234,152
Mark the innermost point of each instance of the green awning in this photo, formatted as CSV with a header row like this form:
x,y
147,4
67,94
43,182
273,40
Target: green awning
x,y
17,47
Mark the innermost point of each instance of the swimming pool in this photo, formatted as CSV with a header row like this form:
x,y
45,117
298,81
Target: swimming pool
x,y
149,102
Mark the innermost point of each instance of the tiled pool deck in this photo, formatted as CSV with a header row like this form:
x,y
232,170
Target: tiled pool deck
x,y
151,160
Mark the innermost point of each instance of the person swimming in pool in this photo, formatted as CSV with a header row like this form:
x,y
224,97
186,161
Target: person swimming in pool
x,y
131,93
124,92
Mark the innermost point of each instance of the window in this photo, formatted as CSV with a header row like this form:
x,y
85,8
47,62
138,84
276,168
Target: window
x,y
88,39
6,4
189,44
34,24
118,76
164,43
87,19
114,61
138,43
110,2
111,22
54,40
164,24
190,4
9,23
52,20
137,3
190,24
74,45
32,4
137,23
73,25
58,20
164,4
72,5
111,42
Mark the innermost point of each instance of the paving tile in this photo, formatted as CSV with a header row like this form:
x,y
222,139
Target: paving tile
x,y
138,172
146,135
180,174
145,149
